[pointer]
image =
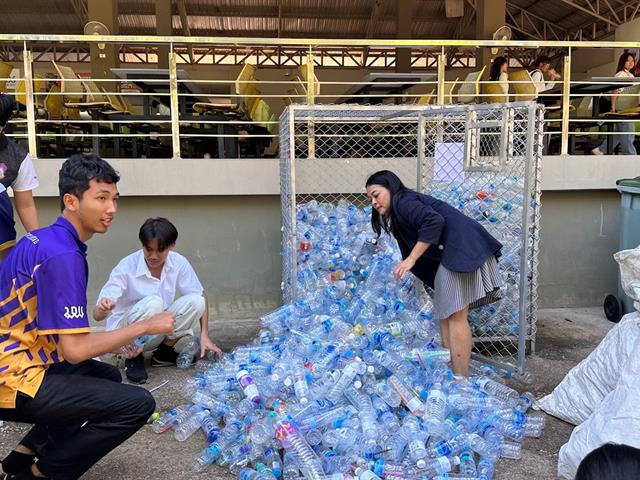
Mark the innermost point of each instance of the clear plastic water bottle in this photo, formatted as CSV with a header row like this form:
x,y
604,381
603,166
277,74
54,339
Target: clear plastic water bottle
x,y
190,426
486,469
498,390
272,458
210,428
435,407
300,385
511,450
388,394
169,418
248,386
290,467
409,398
188,353
467,464
208,456
349,373
291,439
363,474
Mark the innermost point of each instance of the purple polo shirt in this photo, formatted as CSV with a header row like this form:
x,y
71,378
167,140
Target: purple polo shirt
x,y
43,292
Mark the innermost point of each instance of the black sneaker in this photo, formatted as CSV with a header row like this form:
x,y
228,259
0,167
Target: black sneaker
x,y
134,369
164,356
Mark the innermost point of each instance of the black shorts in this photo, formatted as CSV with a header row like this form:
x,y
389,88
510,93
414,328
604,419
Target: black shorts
x,y
7,224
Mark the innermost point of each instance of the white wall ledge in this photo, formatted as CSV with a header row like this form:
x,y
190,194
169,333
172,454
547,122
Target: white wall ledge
x,y
192,177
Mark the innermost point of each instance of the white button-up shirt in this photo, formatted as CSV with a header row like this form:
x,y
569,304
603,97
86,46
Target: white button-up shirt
x,y
130,281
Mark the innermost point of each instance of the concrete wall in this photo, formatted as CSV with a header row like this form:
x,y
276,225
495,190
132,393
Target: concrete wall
x,y
579,232
233,243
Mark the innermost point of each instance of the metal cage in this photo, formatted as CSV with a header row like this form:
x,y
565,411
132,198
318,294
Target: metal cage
x,y
482,159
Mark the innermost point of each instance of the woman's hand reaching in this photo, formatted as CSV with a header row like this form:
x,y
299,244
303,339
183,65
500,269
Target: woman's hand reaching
x,y
403,267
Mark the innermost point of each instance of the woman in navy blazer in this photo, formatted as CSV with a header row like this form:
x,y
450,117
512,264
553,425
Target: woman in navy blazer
x,y
448,251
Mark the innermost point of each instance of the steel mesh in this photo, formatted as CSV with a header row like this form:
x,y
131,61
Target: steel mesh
x,y
482,159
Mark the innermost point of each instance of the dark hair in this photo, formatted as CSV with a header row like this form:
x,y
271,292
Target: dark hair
x,y
542,59
7,106
610,462
496,66
623,59
159,229
391,182
78,170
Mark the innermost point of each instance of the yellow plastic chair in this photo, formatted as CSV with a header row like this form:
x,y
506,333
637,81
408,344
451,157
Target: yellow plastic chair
x,y
426,98
53,104
246,79
494,93
74,95
449,87
470,87
5,71
244,85
523,86
302,80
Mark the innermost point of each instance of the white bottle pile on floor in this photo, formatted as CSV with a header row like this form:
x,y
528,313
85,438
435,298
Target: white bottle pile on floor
x,y
351,380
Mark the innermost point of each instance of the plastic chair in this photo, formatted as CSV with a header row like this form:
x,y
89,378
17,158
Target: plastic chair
x,y
5,72
470,87
494,93
523,86
73,91
449,87
426,98
302,80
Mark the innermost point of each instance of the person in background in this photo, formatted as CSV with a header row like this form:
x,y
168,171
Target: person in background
x,y
149,281
448,251
498,73
17,173
541,69
627,129
610,462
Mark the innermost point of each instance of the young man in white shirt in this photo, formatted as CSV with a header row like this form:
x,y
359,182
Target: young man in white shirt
x,y
147,282
541,68
17,173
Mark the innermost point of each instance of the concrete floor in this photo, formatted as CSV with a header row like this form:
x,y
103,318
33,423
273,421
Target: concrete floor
x,y
565,337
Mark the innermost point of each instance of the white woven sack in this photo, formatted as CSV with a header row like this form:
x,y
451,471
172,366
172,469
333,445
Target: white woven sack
x,y
586,384
616,420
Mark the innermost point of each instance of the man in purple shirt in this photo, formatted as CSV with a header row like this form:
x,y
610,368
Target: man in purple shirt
x,y
79,408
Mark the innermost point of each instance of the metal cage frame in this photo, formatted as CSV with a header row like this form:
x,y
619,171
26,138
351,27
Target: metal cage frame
x,y
326,151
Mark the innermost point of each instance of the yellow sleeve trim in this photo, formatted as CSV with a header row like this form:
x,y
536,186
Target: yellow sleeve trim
x,y
7,244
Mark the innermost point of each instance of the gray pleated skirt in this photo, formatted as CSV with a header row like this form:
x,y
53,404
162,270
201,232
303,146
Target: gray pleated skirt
x,y
453,291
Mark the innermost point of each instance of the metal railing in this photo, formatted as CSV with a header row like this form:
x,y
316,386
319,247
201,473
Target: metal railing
x,y
245,124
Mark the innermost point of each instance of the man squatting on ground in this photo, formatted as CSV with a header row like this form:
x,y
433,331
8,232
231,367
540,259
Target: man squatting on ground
x,y
146,283
79,409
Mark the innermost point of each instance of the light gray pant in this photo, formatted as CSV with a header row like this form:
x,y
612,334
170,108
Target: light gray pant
x,y
187,309
625,139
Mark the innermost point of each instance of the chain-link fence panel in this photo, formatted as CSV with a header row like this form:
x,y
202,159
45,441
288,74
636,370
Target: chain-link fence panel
x,y
482,159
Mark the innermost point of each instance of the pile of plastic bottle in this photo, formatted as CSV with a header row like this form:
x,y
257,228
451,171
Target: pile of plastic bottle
x,y
496,203
350,381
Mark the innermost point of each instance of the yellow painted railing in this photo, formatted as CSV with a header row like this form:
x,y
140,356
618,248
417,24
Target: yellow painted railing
x,y
211,110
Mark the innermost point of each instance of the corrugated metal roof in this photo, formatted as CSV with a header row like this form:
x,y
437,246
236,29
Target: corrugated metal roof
x,y
293,18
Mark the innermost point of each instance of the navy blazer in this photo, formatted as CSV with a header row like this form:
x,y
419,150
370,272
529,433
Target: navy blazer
x,y
458,242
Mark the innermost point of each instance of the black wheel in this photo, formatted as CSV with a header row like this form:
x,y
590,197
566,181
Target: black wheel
x,y
612,308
